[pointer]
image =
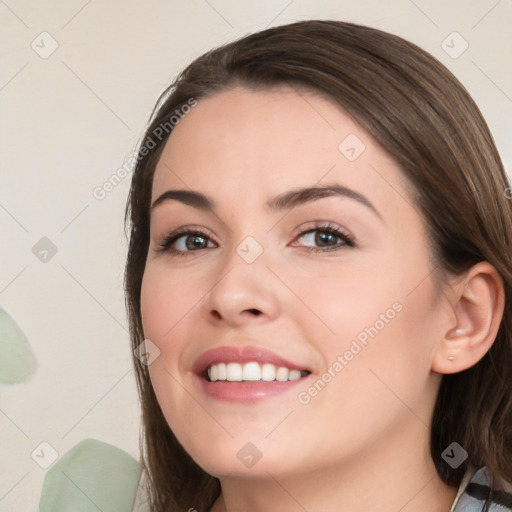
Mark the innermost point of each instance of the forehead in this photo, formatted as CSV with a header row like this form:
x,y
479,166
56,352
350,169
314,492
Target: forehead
x,y
260,143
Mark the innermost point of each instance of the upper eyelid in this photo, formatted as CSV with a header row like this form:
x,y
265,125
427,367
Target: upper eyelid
x,y
315,225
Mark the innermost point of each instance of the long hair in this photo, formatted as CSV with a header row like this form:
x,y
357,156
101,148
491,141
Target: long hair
x,y
425,119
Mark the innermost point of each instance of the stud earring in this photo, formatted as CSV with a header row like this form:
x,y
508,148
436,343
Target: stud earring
x,y
458,332
450,358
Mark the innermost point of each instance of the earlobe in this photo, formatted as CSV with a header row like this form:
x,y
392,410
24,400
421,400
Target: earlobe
x,y
477,310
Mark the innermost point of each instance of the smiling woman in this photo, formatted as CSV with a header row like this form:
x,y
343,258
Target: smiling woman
x,y
328,221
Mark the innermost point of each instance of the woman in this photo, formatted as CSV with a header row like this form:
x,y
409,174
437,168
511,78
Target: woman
x,y
319,266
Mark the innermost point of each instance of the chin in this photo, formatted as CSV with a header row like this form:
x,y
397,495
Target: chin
x,y
240,459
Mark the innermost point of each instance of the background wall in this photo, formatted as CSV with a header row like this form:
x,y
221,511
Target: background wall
x,y
78,80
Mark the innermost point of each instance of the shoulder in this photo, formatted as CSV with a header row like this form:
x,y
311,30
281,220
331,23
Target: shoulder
x,y
475,496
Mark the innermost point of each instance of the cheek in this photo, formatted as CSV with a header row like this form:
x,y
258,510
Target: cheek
x,y
164,306
380,317
345,300
166,299
156,307
377,365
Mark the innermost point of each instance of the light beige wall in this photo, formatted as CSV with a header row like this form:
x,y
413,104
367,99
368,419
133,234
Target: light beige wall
x,y
69,120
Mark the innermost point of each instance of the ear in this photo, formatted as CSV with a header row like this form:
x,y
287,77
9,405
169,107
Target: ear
x,y
476,305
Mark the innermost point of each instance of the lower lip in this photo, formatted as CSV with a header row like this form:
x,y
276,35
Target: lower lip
x,y
246,392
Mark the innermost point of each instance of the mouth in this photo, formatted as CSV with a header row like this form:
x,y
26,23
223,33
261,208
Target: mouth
x,y
246,374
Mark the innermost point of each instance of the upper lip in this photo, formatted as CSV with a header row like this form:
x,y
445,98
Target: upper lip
x,y
241,354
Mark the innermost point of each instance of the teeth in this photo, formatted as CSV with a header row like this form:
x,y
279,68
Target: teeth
x,y
221,371
235,372
294,375
251,371
282,374
268,372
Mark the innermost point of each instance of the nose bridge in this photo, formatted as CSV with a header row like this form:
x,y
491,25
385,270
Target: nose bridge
x,y
243,283
244,265
250,249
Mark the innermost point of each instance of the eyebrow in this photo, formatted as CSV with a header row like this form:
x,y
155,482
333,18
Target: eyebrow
x,y
285,201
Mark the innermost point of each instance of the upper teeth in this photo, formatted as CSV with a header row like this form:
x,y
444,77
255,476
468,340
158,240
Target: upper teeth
x,y
252,371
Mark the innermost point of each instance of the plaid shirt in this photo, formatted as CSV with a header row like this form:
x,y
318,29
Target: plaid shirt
x,y
473,495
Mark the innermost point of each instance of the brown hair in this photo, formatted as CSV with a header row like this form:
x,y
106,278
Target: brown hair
x,y
425,119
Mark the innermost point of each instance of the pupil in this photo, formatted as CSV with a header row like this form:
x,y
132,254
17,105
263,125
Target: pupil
x,y
324,237
194,242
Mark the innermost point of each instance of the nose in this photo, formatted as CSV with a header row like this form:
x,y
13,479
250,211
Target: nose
x,y
243,293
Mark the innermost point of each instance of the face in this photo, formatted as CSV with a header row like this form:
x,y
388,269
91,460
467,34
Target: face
x,y
314,312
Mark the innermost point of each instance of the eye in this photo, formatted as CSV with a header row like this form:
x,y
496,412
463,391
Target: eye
x,y
185,240
325,238
320,238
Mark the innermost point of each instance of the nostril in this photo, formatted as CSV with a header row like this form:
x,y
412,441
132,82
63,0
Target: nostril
x,y
253,311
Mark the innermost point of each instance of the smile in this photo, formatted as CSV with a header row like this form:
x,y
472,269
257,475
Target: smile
x,y
252,372
246,374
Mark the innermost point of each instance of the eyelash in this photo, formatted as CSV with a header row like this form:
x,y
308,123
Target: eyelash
x,y
331,229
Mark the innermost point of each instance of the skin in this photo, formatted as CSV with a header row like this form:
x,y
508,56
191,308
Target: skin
x,y
368,428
